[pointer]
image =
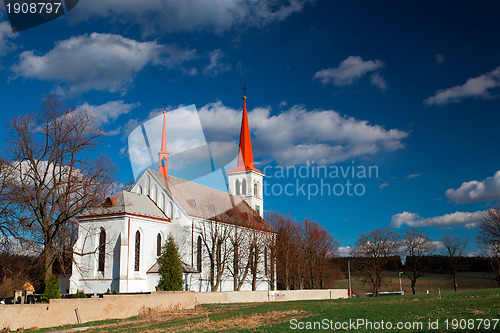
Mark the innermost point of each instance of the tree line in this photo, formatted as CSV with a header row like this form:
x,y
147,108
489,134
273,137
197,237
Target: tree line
x,y
375,250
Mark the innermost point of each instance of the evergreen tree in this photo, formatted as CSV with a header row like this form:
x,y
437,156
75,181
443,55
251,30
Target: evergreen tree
x,y
170,267
52,290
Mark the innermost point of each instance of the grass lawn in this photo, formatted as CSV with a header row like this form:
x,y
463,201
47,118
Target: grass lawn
x,y
472,305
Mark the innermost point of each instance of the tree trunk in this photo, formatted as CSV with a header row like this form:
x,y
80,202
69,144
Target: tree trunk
x,y
235,268
48,260
455,284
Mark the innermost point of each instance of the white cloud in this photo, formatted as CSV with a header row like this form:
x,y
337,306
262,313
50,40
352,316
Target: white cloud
x,y
413,175
439,58
6,35
215,66
108,112
299,135
475,191
474,87
469,220
103,62
164,16
344,251
378,81
350,71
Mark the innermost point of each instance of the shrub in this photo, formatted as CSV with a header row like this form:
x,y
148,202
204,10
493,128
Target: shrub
x,y
170,267
80,294
52,290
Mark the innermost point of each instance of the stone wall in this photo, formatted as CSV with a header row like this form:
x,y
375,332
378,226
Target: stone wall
x,y
269,296
66,311
72,311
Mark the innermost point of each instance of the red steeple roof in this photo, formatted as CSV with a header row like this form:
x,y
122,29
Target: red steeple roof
x,y
245,155
163,161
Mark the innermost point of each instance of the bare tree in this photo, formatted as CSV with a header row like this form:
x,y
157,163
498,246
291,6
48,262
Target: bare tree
x,y
319,247
9,228
241,255
454,247
284,227
57,176
215,239
416,244
257,243
489,239
302,251
373,251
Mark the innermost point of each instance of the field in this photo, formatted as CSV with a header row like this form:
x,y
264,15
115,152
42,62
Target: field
x,y
430,282
474,310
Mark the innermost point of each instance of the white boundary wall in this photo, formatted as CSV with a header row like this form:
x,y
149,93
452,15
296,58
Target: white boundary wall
x,y
71,311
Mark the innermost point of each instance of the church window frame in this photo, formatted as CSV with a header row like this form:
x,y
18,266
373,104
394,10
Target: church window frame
x,y
199,252
101,251
137,252
139,189
256,189
158,244
170,210
237,187
154,193
243,186
162,199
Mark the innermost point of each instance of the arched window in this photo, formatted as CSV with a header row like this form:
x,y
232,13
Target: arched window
x,y
139,189
244,187
102,250
153,194
147,191
198,254
137,250
158,245
170,210
237,187
161,204
256,189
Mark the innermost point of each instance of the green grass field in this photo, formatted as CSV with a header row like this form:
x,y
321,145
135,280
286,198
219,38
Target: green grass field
x,y
475,310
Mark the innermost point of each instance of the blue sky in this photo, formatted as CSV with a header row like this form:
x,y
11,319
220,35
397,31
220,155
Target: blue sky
x,y
410,87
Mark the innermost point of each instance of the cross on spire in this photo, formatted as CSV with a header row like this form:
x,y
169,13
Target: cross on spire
x,y
244,90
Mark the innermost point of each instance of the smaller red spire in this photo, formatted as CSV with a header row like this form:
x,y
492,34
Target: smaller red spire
x,y
245,155
163,154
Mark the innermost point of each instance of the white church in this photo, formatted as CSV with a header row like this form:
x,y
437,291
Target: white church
x,y
224,242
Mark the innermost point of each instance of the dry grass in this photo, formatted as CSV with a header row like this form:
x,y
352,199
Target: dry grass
x,y
247,322
199,321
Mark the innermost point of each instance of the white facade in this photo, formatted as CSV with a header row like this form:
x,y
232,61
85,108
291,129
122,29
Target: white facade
x,y
156,207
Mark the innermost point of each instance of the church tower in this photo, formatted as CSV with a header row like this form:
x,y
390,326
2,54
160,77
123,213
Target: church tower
x,y
163,154
245,180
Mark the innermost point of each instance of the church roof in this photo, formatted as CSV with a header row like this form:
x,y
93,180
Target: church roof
x,y
127,203
211,204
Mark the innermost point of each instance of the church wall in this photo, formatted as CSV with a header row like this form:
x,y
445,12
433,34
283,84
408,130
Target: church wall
x,y
119,271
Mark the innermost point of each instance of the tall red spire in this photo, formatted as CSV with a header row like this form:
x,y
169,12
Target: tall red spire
x,y
163,154
245,155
